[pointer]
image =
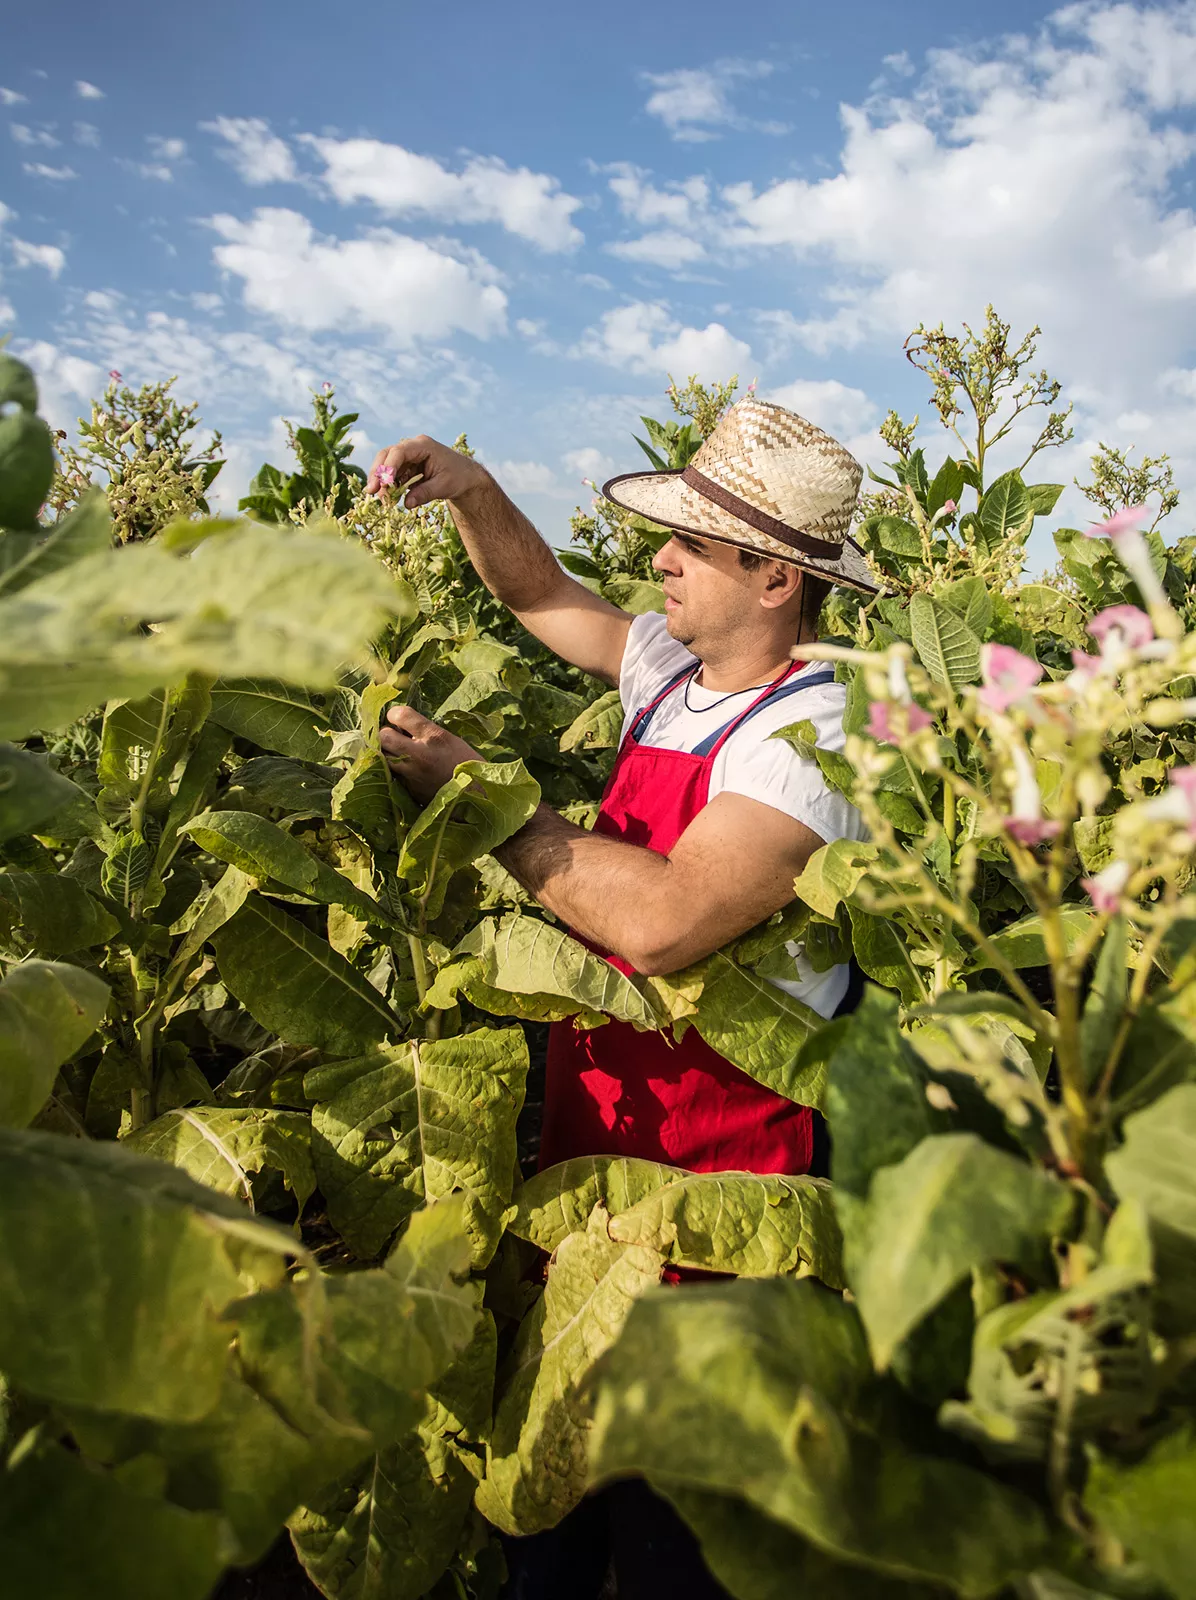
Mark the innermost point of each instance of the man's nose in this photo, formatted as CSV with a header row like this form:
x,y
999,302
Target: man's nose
x,y
667,557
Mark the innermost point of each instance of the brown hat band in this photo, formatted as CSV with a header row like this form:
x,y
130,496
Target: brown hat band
x,y
755,518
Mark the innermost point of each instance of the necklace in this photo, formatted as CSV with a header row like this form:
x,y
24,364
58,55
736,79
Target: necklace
x,y
754,688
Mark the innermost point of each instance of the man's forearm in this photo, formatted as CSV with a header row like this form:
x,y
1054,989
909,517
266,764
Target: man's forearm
x,y
613,894
507,553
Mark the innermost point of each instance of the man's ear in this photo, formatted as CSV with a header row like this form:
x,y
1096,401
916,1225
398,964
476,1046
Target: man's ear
x,y
783,584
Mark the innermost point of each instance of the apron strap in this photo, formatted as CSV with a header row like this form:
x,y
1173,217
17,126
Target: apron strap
x,y
644,717
780,689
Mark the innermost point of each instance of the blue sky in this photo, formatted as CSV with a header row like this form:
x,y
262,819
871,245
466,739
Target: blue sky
x,y
516,221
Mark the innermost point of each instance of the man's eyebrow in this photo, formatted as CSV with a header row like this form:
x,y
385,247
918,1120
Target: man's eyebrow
x,y
697,546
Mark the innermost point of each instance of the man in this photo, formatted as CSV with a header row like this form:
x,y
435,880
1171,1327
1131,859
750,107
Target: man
x,y
706,819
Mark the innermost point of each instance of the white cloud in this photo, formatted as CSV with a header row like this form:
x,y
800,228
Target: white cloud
x,y
694,102
528,477
154,170
588,464
33,136
65,382
403,286
203,301
258,155
11,97
86,133
399,182
646,337
830,404
665,248
87,91
8,312
166,149
528,328
38,169
103,300
47,256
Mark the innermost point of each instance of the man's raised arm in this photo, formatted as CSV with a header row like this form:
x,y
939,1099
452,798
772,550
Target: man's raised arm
x,y
509,555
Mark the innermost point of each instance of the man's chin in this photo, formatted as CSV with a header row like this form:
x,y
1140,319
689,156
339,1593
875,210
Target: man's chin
x,y
676,627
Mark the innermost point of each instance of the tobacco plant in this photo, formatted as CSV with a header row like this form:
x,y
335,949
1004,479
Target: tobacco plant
x,y
268,1253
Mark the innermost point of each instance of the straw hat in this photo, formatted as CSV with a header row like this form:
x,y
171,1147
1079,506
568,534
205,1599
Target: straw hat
x,y
768,481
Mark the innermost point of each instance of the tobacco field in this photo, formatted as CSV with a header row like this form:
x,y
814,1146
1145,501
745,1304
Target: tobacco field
x,y
274,1255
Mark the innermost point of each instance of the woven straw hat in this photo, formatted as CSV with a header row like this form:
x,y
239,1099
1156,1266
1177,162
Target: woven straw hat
x,y
768,481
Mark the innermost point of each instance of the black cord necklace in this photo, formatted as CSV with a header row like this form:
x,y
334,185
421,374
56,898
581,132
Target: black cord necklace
x,y
754,688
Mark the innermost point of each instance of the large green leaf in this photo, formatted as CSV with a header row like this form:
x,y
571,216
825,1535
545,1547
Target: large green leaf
x,y
597,728
30,791
1007,510
759,1028
946,646
272,716
418,1121
1022,942
876,1094
833,873
752,1392
392,1525
71,1532
740,1222
954,1203
53,912
1156,1166
237,599
293,983
482,804
536,1468
221,1146
523,955
1148,1506
94,1237
328,1371
86,530
47,1011
284,784
561,1199
265,851
755,1558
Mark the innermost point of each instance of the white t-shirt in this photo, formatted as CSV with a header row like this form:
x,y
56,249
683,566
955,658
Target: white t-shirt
x,y
750,762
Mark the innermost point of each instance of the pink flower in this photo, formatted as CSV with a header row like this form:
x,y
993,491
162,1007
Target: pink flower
x,y
1087,666
881,723
1121,522
386,476
751,388
327,388
1183,779
1128,625
114,375
1106,887
1008,676
1031,830
949,507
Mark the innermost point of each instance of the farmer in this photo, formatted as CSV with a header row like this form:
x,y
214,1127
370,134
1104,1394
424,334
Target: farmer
x,y
705,822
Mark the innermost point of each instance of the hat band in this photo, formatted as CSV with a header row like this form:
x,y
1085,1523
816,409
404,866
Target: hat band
x,y
755,518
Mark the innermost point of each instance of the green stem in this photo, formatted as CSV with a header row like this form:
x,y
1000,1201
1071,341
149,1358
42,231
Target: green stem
x,y
137,810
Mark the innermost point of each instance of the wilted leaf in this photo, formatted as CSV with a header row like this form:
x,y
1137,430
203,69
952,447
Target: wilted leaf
x,y
759,1028
419,1121
833,873
221,1146
536,1467
597,728
561,1199
740,1222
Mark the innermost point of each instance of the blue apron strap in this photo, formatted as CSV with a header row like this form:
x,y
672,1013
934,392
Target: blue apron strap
x,y
792,686
642,718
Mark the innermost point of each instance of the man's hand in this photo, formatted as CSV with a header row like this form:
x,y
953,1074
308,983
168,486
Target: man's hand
x,y
445,473
421,754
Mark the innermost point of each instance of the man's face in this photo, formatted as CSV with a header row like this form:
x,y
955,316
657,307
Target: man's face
x,y
709,597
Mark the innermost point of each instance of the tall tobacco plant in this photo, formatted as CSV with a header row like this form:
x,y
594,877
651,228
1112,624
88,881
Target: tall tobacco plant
x,y
267,1254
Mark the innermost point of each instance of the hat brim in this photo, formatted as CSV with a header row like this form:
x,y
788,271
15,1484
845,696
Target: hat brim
x,y
665,498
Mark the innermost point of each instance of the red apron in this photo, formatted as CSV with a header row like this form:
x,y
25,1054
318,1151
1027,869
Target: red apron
x,y
616,1091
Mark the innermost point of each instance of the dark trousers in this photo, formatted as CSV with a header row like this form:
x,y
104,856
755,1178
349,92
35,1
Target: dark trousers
x,y
625,1528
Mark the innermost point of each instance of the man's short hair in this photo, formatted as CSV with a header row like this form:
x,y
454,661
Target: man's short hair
x,y
814,589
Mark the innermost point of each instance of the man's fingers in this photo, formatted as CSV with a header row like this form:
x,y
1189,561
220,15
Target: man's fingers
x,y
398,464
409,721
